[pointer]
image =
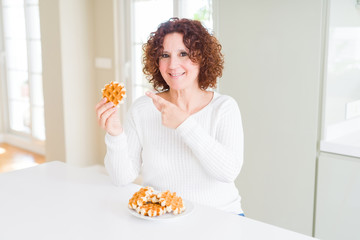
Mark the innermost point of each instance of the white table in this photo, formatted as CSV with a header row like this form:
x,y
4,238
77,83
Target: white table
x,y
56,201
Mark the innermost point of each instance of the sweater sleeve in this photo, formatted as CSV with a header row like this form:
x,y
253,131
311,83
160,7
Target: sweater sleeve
x,y
220,155
121,162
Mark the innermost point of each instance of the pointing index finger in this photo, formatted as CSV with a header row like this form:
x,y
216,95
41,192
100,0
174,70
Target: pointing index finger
x,y
151,95
155,97
158,101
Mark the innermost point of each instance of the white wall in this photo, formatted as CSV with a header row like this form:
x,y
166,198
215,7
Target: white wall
x,y
77,39
272,68
69,81
52,80
104,42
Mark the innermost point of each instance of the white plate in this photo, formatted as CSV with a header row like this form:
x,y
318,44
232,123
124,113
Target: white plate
x,y
167,216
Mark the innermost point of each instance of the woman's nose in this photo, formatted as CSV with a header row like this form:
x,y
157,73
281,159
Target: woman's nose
x,y
174,62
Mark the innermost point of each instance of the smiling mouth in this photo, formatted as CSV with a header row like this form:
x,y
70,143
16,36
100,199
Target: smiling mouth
x,y
176,74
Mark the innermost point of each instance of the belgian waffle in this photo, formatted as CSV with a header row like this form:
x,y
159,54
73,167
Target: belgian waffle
x,y
140,197
153,198
151,209
172,202
114,92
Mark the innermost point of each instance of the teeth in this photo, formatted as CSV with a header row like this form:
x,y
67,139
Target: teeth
x,y
176,74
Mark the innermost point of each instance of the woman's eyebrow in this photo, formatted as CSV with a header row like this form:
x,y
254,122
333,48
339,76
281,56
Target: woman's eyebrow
x,y
179,50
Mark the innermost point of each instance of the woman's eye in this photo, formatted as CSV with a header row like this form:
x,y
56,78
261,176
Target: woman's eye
x,y
164,55
183,54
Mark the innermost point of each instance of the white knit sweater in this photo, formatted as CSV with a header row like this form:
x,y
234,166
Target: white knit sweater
x,y
199,160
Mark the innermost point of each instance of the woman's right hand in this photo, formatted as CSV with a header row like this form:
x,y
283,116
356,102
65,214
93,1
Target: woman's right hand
x,y
108,118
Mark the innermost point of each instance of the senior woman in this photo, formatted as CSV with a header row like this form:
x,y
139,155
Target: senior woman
x,y
184,138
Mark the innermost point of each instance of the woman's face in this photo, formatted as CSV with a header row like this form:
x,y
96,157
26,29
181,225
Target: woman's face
x,y
175,66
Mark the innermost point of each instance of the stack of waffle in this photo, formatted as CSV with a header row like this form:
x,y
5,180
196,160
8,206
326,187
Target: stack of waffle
x,y
149,203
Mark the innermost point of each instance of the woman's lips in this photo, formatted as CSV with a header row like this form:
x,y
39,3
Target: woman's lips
x,y
176,74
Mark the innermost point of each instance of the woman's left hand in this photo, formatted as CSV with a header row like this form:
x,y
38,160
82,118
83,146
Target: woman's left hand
x,y
171,115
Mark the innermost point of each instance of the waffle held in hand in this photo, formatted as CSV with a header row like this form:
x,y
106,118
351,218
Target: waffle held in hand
x,y
114,92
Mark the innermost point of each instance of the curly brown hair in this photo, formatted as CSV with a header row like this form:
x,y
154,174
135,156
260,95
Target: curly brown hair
x,y
204,49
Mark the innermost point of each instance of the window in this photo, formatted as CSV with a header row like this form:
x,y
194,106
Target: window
x,y
143,22
342,75
22,67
